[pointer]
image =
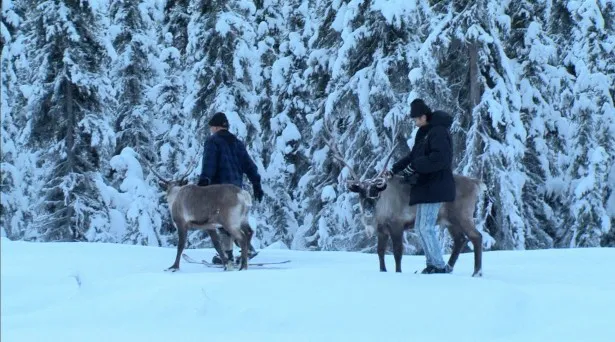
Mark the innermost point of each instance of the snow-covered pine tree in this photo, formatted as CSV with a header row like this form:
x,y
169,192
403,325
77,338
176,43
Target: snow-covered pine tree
x,y
559,136
133,73
221,59
175,135
496,137
15,161
536,56
609,25
223,73
176,18
592,112
322,40
70,122
608,239
358,69
283,106
440,71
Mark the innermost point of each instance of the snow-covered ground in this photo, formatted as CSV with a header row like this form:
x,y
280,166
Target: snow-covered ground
x,y
105,292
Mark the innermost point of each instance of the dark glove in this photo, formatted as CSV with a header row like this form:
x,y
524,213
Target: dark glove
x,y
204,182
396,168
258,192
410,176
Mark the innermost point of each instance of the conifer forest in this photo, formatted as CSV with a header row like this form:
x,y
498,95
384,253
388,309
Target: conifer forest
x,y
95,91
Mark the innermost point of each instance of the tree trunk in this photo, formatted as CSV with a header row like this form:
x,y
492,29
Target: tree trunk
x,y
475,92
69,111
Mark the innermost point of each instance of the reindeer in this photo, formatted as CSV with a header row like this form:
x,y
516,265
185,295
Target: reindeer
x,y
385,209
209,208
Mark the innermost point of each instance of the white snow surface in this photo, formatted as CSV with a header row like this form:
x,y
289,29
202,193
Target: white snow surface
x,y
112,292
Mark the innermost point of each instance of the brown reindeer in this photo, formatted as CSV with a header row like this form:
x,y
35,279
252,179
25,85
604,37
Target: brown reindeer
x,y
209,208
385,209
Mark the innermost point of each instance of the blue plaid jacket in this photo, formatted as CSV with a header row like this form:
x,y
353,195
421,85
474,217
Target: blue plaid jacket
x,y
225,160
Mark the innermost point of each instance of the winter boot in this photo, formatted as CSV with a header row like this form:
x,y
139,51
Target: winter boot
x,y
427,270
216,260
251,254
432,269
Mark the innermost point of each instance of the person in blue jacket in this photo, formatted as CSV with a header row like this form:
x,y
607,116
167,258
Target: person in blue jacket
x,y
428,167
225,161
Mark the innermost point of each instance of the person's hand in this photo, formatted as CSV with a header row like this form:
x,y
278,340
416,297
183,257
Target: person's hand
x,y
258,193
410,175
408,170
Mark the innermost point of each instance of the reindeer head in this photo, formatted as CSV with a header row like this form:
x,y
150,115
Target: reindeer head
x,y
368,189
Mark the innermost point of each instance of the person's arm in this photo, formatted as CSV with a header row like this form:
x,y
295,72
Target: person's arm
x,y
401,164
440,153
407,160
210,162
250,169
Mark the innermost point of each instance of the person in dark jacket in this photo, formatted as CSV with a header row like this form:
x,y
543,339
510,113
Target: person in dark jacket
x,y
428,167
225,161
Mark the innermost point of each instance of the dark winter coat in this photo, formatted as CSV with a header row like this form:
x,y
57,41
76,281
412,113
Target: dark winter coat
x,y
225,160
432,158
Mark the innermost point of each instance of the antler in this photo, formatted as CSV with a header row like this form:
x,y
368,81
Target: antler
x,y
191,168
156,173
386,162
336,152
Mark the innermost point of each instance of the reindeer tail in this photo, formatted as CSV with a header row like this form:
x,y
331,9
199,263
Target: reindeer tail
x,y
482,186
245,197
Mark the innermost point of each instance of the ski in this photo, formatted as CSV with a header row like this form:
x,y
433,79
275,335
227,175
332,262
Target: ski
x,y
189,259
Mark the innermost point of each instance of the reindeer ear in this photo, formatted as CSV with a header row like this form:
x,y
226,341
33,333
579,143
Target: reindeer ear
x,y
380,187
380,184
162,184
183,182
354,186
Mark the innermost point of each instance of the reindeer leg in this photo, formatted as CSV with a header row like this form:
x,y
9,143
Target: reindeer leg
x,y
459,240
226,241
383,240
215,240
398,247
182,232
247,238
244,253
477,242
239,235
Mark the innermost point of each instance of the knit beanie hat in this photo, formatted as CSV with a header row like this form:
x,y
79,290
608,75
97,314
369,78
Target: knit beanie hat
x,y
219,120
418,108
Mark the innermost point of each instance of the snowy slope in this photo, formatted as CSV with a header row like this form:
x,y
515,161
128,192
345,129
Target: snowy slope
x,y
107,292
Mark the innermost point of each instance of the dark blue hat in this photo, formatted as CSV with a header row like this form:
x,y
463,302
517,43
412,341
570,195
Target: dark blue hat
x,y
219,120
419,108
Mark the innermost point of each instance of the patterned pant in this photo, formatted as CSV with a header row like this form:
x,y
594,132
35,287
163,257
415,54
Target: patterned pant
x,y
426,215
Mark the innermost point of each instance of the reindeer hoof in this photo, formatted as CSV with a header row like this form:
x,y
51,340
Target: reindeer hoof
x,y
383,270
478,273
172,269
229,266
